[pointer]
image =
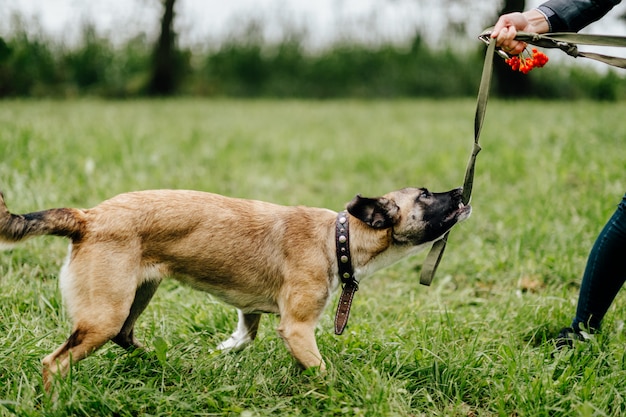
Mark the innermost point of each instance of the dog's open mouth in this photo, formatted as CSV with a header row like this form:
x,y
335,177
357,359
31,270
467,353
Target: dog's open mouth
x,y
462,212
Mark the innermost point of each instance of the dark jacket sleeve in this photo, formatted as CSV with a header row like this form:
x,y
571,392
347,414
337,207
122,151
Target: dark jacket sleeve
x,y
573,15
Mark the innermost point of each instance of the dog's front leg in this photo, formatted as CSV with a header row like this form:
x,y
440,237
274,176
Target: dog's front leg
x,y
247,328
300,340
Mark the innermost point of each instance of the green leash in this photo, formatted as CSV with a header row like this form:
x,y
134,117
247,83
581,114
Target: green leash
x,y
431,262
568,43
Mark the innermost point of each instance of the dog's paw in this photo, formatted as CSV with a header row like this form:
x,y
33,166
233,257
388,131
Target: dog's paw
x,y
234,343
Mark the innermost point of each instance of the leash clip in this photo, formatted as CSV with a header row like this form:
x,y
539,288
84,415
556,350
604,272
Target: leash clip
x,y
486,38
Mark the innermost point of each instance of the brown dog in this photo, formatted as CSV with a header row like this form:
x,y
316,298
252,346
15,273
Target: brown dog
x,y
257,256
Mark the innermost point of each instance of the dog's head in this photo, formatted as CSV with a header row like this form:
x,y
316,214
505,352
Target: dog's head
x,y
416,215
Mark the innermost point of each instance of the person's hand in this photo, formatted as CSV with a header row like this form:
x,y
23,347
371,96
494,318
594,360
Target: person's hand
x,y
508,25
505,30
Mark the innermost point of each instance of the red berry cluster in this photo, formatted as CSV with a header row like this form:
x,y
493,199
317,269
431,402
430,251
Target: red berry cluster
x,y
525,64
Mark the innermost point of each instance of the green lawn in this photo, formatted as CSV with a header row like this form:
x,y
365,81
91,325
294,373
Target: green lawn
x,y
475,343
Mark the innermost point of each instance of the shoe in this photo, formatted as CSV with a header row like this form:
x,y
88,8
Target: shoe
x,y
567,336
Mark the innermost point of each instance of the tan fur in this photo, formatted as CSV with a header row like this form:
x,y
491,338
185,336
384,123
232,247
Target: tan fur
x,y
257,256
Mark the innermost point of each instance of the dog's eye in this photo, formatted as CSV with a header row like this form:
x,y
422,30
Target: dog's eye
x,y
425,194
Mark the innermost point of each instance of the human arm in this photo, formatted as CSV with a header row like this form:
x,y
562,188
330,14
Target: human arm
x,y
551,16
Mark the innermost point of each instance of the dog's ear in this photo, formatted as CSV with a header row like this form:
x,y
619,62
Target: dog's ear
x,y
379,213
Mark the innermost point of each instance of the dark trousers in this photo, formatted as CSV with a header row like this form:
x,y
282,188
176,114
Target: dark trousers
x,y
605,272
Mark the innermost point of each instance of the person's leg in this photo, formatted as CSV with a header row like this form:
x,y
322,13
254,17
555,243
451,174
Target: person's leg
x,y
604,275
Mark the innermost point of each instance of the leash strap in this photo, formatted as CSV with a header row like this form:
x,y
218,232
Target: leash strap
x,y
429,267
568,42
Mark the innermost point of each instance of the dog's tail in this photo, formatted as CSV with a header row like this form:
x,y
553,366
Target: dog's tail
x,y
14,228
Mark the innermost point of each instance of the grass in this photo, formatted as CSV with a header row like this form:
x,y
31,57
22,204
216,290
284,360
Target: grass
x,y
475,343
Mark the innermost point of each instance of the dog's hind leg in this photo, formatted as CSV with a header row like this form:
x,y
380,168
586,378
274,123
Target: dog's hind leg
x,y
126,338
247,328
98,298
86,337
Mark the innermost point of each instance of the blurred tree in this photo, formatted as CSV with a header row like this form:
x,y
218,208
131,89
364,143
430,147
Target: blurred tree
x,y
88,64
165,72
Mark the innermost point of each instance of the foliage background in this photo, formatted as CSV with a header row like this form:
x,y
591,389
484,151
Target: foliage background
x,y
246,64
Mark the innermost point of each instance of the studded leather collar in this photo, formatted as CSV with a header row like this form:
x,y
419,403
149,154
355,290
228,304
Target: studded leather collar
x,y
346,271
